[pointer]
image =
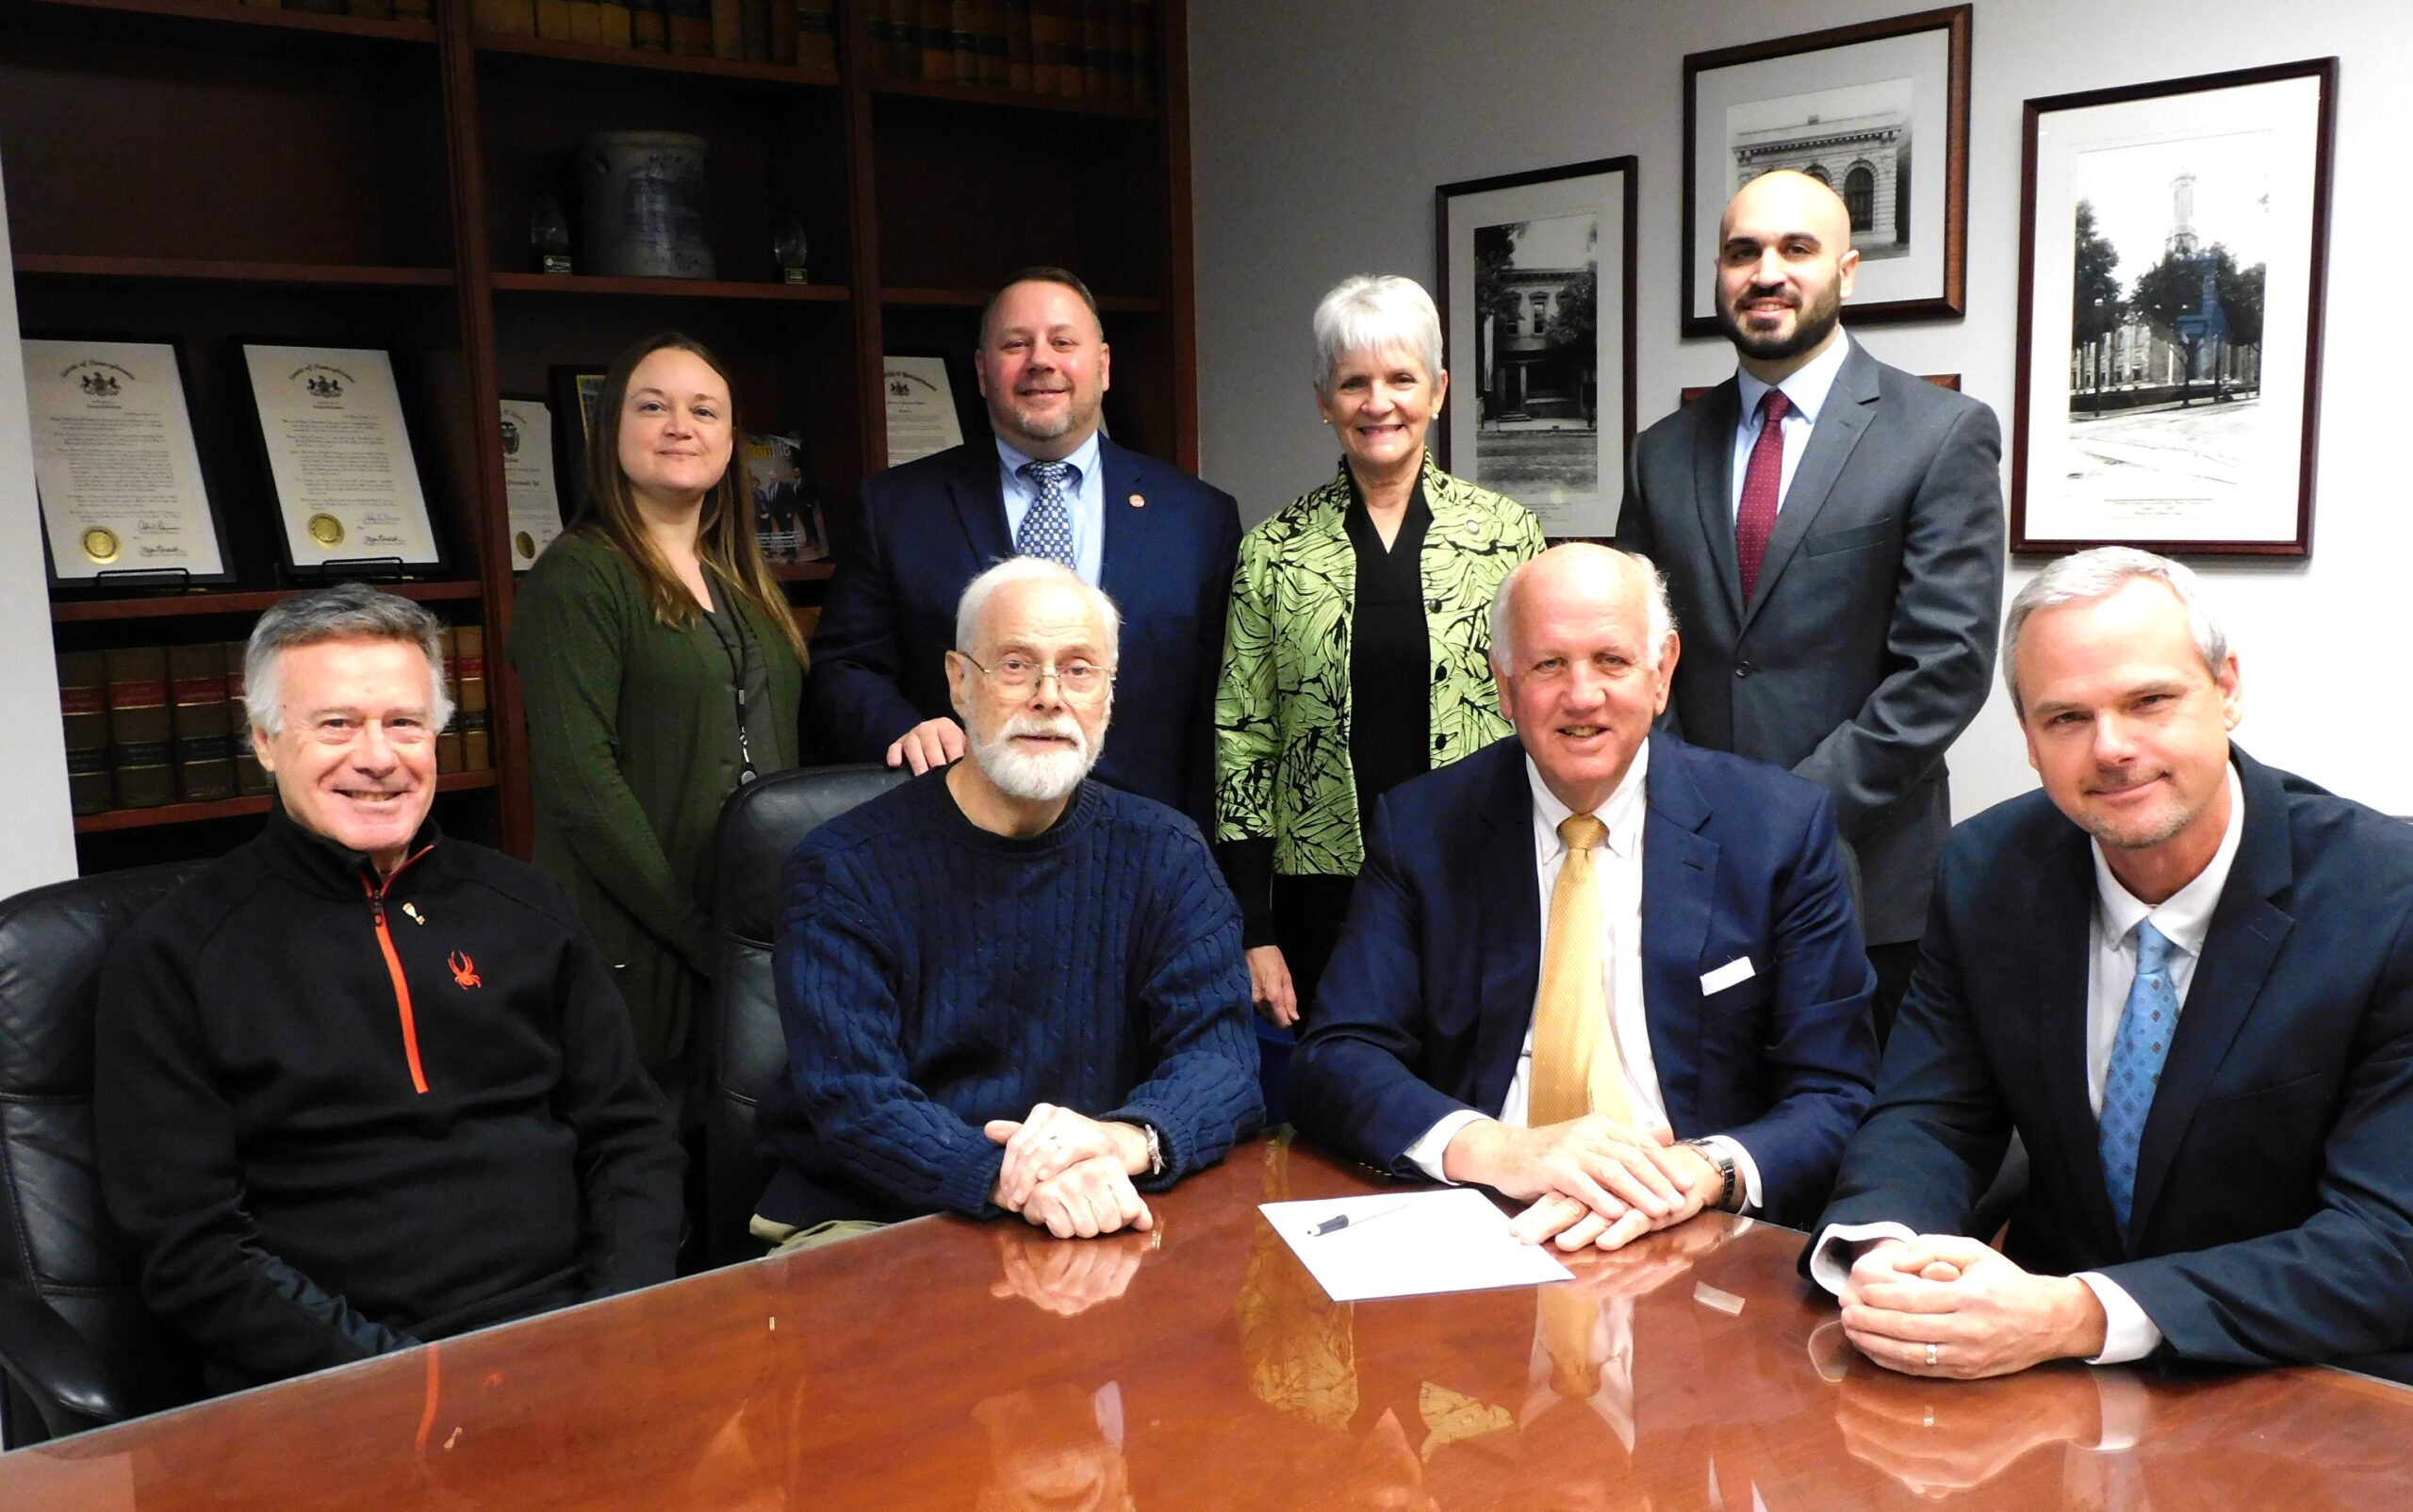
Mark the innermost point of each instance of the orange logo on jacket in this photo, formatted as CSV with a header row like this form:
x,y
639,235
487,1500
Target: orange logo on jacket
x,y
465,971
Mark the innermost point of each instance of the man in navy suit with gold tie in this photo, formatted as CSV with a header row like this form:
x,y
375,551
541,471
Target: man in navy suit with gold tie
x,y
1049,483
1594,968
2186,979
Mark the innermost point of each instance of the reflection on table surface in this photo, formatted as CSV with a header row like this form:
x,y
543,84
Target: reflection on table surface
x,y
952,1365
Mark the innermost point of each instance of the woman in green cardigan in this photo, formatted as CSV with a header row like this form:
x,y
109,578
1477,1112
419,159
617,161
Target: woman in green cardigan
x,y
1357,655
661,669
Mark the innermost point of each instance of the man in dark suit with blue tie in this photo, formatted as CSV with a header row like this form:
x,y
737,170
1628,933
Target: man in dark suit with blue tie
x,y
1593,968
2186,979
1160,542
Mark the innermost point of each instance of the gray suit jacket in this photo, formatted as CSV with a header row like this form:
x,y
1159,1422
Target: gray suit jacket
x,y
1868,646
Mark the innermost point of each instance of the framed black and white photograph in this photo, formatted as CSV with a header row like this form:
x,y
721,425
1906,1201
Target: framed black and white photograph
x,y
2174,242
1537,321
1879,112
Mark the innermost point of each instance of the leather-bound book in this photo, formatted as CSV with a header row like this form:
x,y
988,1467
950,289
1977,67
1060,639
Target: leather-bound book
x,y
141,731
476,748
197,694
84,710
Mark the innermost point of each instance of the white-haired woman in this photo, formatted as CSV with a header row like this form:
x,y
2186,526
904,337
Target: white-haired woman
x,y
1356,653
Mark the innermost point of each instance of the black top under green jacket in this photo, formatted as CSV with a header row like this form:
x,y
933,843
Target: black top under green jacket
x,y
335,1123
632,751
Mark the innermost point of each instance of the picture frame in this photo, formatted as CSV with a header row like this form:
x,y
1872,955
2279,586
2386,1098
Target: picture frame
x,y
2174,239
575,391
335,443
1857,107
97,546
1537,325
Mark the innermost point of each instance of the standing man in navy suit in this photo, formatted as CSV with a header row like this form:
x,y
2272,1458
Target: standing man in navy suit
x,y
2186,979
1716,971
1831,531
1159,543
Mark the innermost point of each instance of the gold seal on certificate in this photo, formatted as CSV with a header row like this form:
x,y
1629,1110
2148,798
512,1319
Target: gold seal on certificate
x,y
339,453
114,461
533,501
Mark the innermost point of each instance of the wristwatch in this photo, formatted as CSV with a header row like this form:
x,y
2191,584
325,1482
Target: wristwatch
x,y
1156,1145
1715,1154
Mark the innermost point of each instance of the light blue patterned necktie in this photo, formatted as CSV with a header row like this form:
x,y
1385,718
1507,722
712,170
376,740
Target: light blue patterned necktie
x,y
2148,1025
1047,524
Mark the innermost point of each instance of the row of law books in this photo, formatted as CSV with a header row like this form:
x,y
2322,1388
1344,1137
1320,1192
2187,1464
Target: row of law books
x,y
1074,49
153,725
370,9
799,32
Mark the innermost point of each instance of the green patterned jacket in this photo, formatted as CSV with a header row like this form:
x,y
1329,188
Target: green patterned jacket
x,y
1282,768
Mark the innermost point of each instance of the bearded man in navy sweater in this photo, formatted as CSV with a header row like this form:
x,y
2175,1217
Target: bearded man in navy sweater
x,y
357,1085
1007,987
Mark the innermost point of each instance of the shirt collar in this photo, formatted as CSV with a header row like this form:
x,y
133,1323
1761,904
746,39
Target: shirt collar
x,y
1806,386
1083,458
2185,917
1622,814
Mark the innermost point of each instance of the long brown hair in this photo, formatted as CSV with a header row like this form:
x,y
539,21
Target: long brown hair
x,y
725,540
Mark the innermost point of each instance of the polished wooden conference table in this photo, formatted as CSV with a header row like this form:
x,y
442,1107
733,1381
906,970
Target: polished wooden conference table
x,y
944,1364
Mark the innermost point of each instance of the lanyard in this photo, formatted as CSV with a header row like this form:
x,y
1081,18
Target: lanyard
x,y
737,652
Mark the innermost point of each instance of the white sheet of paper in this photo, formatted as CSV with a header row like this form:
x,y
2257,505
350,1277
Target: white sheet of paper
x,y
1452,1240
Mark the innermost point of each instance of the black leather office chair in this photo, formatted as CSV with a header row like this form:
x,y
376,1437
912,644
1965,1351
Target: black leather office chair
x,y
758,827
77,1345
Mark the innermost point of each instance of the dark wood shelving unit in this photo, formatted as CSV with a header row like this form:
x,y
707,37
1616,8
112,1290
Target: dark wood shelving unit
x,y
203,271
117,819
806,571
982,95
294,177
574,283
648,60
208,601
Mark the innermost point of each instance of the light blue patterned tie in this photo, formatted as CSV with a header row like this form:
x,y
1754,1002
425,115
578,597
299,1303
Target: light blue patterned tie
x,y
2146,1026
1047,524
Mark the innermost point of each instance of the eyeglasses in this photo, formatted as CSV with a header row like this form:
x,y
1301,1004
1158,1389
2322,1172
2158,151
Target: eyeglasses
x,y
1078,680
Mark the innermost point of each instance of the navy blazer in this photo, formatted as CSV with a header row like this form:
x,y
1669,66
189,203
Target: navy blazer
x,y
2272,1219
929,527
1425,1008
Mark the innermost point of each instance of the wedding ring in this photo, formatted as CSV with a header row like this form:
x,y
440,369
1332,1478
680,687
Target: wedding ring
x,y
1930,1357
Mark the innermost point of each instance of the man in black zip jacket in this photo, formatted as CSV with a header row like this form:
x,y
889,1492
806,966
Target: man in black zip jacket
x,y
357,1085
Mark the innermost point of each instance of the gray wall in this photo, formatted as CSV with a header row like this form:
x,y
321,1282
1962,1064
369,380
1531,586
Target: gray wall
x,y
1320,130
37,836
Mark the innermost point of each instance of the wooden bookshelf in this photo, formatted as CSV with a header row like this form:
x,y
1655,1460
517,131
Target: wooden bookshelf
x,y
210,602
268,173
117,819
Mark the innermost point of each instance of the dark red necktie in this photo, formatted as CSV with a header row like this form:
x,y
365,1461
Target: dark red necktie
x,y
1762,488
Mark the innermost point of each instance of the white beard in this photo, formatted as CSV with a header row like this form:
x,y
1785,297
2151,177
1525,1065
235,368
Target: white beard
x,y
1036,777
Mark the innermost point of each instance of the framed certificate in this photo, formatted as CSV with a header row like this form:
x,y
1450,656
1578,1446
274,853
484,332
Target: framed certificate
x,y
339,457
535,502
114,461
921,408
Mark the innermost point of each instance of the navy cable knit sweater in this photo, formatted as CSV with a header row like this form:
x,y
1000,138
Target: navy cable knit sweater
x,y
933,976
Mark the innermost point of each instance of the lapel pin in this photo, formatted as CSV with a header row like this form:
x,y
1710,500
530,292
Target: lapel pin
x,y
1138,501
416,916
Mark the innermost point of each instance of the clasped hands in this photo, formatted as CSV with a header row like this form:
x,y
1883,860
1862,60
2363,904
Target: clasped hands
x,y
1943,1305
1071,1175
1589,1182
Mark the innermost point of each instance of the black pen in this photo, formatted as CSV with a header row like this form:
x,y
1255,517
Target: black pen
x,y
1340,1220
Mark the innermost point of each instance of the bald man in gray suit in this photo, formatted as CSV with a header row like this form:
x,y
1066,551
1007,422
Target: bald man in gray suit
x,y
1832,530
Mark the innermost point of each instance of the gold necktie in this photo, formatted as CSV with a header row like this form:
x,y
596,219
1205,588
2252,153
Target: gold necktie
x,y
1576,1069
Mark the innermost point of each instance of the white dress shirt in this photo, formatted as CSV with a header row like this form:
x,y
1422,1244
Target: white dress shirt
x,y
1617,867
1806,388
1084,498
2184,918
